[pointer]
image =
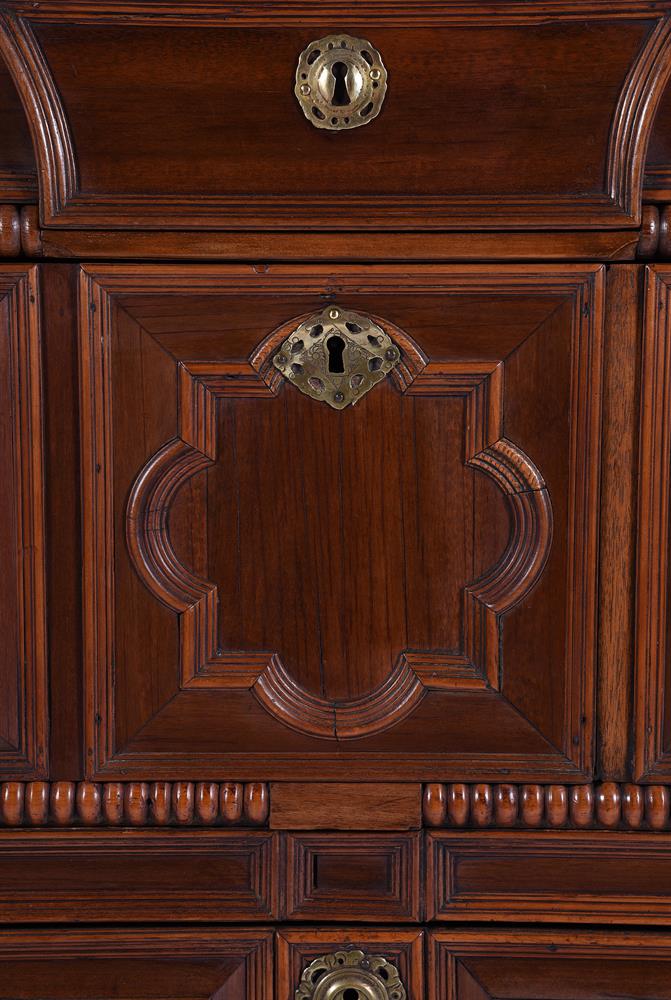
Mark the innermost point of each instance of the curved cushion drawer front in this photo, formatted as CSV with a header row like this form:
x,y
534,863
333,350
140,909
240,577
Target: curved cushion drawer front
x,y
522,118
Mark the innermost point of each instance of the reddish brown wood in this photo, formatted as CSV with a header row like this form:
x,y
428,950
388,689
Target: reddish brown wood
x,y
140,875
23,680
649,239
526,964
391,700
62,802
345,876
618,509
652,759
434,805
338,806
182,963
36,803
10,236
18,174
296,948
551,876
309,247
31,236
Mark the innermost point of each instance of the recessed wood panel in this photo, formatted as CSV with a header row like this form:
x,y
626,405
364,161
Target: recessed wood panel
x,y
408,583
563,965
137,875
136,965
153,117
23,707
571,876
653,690
373,876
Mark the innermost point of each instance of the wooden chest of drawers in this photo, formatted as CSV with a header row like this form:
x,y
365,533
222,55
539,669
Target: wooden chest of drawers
x,y
335,422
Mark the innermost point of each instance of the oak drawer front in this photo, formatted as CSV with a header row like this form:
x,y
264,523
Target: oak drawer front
x,y
526,118
526,965
577,876
136,964
137,875
340,876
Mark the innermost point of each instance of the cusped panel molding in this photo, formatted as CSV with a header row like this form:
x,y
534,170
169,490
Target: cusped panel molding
x,y
204,664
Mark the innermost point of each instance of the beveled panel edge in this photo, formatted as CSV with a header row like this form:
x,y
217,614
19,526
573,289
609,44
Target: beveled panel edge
x,y
400,853
157,875
19,285
450,898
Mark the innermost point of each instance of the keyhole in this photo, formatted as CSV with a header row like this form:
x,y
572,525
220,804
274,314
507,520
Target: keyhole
x,y
340,92
336,348
350,994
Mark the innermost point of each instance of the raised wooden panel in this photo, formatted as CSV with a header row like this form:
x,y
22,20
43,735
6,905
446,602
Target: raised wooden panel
x,y
23,707
408,584
572,876
155,116
653,660
558,965
356,876
297,948
137,875
136,964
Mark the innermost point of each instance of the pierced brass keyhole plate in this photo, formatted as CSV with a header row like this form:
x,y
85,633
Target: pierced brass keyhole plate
x,y
341,82
351,975
337,356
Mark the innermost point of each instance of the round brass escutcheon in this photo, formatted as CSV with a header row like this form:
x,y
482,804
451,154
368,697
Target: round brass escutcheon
x,y
350,975
341,82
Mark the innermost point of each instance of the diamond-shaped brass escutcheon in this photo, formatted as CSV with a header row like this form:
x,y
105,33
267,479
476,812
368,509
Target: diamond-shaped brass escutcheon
x,y
337,356
350,975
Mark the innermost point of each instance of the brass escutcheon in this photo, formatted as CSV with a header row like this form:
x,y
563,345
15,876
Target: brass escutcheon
x,y
350,975
341,82
337,356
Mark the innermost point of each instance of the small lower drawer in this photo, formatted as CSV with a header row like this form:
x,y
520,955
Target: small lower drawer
x,y
340,876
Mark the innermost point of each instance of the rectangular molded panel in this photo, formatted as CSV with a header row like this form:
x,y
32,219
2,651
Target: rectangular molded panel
x,y
563,965
136,964
562,875
137,875
356,876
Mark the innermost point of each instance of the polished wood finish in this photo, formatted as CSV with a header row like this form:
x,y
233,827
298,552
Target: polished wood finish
x,y
652,756
608,805
522,963
296,948
341,806
138,876
544,142
135,803
353,876
289,680
553,877
137,964
23,679
392,678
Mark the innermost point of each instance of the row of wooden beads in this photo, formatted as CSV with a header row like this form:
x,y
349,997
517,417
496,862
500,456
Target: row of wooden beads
x,y
19,231
132,803
609,805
